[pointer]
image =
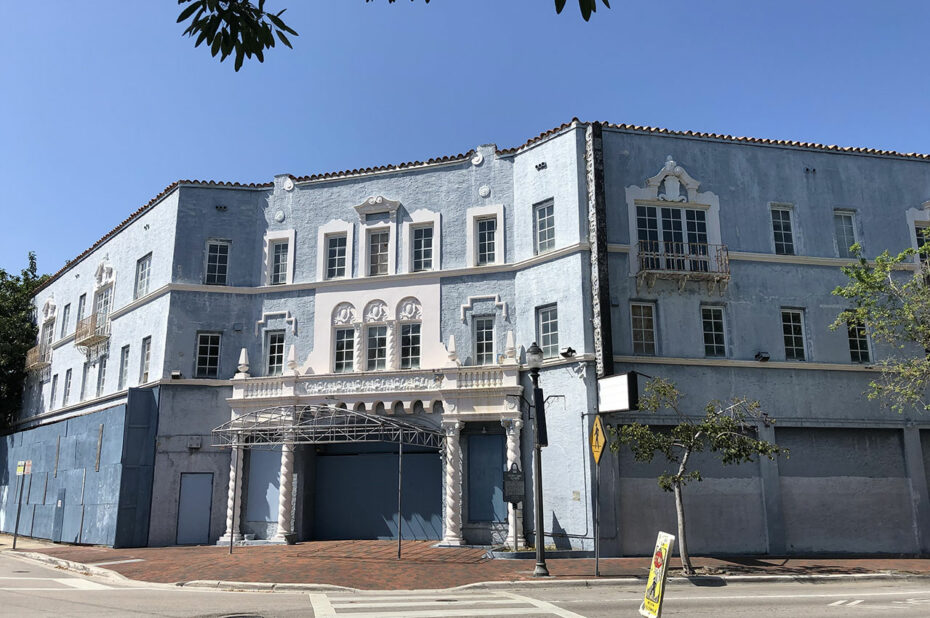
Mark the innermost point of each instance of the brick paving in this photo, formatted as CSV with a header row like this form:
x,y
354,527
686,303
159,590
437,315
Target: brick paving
x,y
373,565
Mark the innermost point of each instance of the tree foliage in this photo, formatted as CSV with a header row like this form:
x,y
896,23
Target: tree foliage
x,y
726,430
242,29
895,308
17,334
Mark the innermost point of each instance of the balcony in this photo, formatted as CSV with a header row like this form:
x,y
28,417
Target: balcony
x,y
38,358
92,330
682,262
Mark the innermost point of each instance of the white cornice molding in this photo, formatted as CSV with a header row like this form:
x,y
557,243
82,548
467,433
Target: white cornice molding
x,y
337,177
377,205
750,364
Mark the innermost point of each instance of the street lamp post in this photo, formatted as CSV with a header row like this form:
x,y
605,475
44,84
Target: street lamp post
x,y
534,358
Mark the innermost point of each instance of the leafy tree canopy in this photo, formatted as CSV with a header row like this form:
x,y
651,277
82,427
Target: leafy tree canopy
x,y
243,29
17,334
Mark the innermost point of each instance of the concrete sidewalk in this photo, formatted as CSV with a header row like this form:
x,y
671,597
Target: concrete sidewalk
x,y
373,565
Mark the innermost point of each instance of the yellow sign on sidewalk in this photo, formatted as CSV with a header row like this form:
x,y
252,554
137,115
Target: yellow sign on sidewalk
x,y
598,439
655,585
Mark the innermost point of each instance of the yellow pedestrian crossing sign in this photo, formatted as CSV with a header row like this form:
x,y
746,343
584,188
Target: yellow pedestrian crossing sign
x,y
598,439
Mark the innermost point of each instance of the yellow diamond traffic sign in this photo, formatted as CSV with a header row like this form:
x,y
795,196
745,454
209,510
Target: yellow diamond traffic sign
x,y
598,439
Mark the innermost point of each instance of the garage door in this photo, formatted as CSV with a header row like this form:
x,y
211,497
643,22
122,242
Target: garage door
x,y
355,493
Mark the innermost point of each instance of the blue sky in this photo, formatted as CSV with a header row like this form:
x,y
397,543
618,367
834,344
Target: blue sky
x,y
103,103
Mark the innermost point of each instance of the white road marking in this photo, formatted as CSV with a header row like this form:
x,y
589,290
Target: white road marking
x,y
448,602
69,583
435,604
549,607
321,606
116,562
82,584
840,602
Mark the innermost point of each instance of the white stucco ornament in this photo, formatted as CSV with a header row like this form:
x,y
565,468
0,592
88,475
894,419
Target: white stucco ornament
x,y
376,311
484,191
477,159
49,309
344,313
410,309
104,274
279,216
288,184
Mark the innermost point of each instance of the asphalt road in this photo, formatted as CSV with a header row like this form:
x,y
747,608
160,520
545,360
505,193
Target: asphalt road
x,y
30,589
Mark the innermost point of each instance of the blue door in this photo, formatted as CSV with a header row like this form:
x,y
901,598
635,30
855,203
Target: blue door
x,y
194,508
486,478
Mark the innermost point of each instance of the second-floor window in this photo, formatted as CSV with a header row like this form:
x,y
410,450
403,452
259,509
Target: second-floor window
x,y
377,348
278,275
335,257
208,355
101,375
82,302
844,228
544,226
487,241
143,270
344,350
422,248
275,351
792,326
644,329
858,342
547,330
782,232
123,367
410,346
51,397
484,341
48,333
66,392
145,357
672,238
102,301
378,253
65,316
217,270
922,233
713,327
85,370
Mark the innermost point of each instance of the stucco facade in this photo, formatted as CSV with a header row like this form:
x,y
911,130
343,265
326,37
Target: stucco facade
x,y
412,292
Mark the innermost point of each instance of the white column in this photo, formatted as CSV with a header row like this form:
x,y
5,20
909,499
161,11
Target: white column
x,y
285,492
234,496
515,511
453,514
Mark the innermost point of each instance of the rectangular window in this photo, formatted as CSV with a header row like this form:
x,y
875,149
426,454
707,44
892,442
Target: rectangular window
x,y
208,355
484,341
714,342
66,394
54,391
547,330
335,257
65,316
145,356
275,365
644,329
410,346
217,269
101,375
422,248
858,343
923,238
123,367
344,358
487,234
84,381
102,303
676,240
82,302
378,253
143,270
845,230
48,333
279,263
781,228
544,224
377,347
792,326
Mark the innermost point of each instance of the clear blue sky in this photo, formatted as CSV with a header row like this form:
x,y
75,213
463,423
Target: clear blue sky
x,y
103,103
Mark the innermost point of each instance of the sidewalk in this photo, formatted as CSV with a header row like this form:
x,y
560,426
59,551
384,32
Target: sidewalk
x,y
373,565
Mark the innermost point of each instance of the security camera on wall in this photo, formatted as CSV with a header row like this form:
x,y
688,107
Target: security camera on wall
x,y
568,352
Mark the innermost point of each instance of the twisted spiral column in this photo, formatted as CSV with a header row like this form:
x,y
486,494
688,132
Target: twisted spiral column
x,y
285,491
234,496
453,513
515,511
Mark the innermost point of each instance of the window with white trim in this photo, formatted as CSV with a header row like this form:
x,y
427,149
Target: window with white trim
x,y
844,230
279,251
643,324
336,256
712,321
547,330
54,391
143,271
65,316
216,271
84,373
377,348
278,267
487,241
208,355
378,241
145,357
123,367
544,226
101,375
484,340
672,238
410,346
48,333
82,301
859,351
344,350
102,300
922,232
792,326
782,232
66,389
422,248
275,353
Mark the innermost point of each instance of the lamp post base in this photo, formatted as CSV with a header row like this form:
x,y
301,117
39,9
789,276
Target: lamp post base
x,y
541,570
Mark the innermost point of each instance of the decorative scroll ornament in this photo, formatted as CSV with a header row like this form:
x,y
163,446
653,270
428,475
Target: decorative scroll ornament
x,y
673,176
409,309
376,311
344,313
370,385
104,274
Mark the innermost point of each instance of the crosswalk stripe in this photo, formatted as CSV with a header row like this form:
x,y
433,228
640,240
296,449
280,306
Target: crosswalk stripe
x,y
840,602
544,605
406,603
83,584
321,606
441,613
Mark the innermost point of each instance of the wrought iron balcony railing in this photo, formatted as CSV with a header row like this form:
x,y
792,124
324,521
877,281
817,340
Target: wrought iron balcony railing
x,y
38,358
683,261
92,330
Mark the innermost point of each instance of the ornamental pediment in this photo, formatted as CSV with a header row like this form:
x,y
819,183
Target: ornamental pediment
x,y
377,205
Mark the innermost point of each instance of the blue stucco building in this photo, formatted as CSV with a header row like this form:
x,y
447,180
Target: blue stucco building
x,y
410,293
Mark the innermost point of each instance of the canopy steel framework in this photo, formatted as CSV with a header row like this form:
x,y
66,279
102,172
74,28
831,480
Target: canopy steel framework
x,y
321,424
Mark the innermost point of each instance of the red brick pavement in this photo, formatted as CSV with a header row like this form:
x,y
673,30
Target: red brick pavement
x,y
373,565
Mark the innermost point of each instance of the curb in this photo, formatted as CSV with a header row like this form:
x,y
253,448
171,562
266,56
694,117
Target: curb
x,y
263,586
77,567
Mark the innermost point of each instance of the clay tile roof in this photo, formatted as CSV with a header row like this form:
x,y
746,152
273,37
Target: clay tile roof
x,y
384,168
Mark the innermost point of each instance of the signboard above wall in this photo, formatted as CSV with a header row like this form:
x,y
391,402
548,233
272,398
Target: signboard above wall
x,y
618,393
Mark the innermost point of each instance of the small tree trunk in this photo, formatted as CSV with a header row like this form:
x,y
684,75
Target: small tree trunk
x,y
680,510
